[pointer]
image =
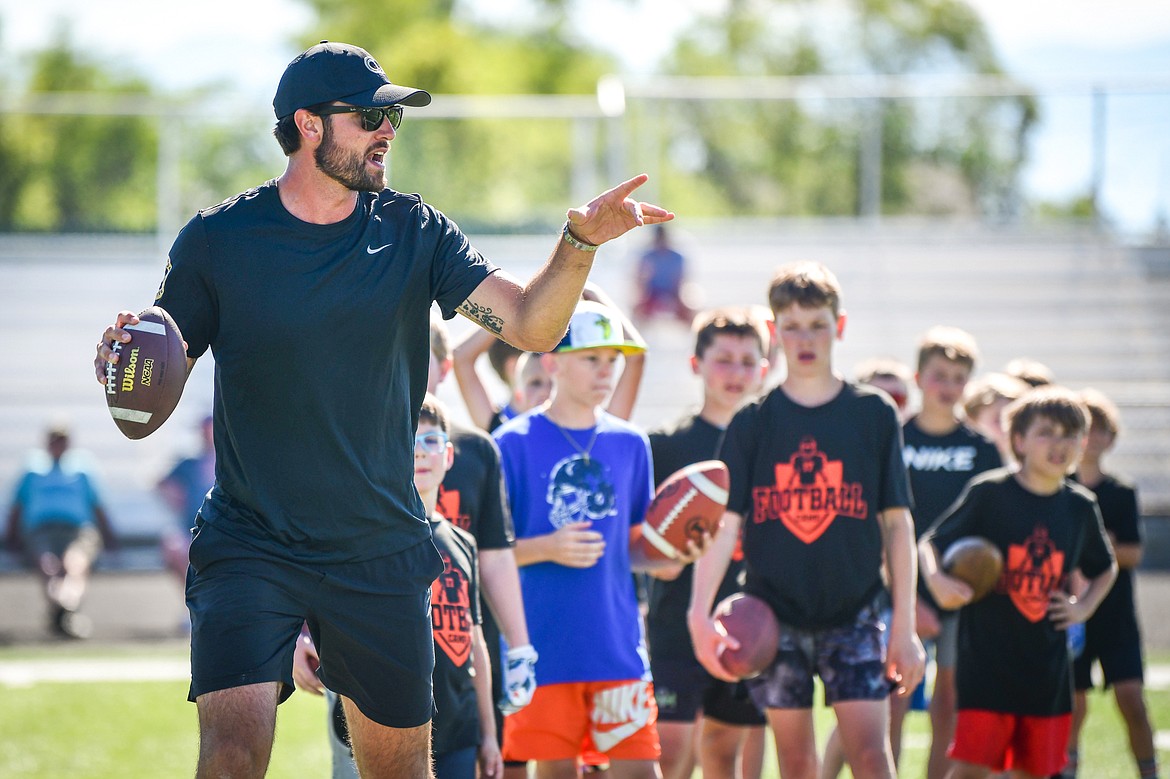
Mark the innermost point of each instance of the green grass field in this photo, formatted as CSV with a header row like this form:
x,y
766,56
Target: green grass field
x,y
147,729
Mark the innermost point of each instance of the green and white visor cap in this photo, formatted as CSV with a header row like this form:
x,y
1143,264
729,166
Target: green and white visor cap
x,y
594,326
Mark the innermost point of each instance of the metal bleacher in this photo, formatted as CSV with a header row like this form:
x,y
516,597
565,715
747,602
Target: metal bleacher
x,y
1092,310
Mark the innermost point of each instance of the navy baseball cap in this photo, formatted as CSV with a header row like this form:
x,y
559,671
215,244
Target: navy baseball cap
x,y
338,71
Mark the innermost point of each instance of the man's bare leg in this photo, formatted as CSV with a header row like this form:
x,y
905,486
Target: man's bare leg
x,y
382,752
236,729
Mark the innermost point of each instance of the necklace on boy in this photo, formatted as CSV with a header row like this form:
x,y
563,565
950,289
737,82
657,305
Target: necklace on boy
x,y
584,452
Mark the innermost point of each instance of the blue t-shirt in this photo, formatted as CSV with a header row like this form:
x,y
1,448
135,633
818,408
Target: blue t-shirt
x,y
320,335
194,477
665,269
584,622
55,492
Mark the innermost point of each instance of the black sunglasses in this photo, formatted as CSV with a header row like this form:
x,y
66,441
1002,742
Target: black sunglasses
x,y
371,118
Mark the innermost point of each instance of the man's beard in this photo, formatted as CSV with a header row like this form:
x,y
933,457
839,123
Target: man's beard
x,y
346,168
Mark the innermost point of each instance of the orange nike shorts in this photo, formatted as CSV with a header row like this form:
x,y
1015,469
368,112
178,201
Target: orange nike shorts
x,y
1003,742
565,721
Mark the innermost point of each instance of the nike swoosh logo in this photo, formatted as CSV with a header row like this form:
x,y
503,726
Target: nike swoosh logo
x,y
605,740
371,250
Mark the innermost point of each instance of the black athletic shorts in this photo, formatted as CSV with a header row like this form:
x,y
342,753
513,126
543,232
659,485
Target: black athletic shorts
x,y
1119,651
683,688
370,622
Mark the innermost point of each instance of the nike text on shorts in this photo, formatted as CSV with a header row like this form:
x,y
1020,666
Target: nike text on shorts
x,y
566,720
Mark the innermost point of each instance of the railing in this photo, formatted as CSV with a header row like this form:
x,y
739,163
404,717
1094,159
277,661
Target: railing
x,y
642,124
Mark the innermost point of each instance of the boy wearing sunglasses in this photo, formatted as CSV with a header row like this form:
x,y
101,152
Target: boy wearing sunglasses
x,y
327,250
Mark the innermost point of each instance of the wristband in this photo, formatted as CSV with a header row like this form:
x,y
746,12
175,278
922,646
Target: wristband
x,y
576,242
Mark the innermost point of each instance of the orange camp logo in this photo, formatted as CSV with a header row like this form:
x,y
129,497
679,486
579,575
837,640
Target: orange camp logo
x,y
448,506
451,613
810,493
1033,570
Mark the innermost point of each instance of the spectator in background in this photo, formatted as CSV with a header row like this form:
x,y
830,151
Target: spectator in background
x,y
183,490
890,376
984,401
1033,373
58,521
661,272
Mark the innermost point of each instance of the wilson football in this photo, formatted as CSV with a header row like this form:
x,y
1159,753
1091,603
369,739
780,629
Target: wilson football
x,y
976,561
751,622
691,500
145,385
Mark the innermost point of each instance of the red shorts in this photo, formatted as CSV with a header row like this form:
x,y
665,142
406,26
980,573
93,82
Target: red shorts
x,y
1002,742
567,720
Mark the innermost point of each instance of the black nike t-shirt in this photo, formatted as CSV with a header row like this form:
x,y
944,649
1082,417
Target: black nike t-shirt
x,y
1012,659
454,615
939,467
691,440
1117,500
320,335
810,484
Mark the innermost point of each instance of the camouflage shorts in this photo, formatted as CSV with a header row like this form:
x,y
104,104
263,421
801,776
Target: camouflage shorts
x,y
849,660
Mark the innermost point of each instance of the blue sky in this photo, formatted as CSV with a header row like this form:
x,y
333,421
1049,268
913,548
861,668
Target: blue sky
x,y
245,45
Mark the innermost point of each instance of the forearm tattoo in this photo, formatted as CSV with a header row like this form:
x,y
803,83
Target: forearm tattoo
x,y
482,316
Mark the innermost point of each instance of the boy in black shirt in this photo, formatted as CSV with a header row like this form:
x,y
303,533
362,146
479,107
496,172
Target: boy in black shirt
x,y
1013,675
818,483
942,454
1112,635
729,358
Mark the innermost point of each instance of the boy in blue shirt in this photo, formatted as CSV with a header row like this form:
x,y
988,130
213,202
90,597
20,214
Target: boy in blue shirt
x,y
579,481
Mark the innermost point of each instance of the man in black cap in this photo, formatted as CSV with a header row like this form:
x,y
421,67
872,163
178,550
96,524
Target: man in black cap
x,y
313,291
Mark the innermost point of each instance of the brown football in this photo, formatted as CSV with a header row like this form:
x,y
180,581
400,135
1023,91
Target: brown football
x,y
976,561
689,501
751,622
145,385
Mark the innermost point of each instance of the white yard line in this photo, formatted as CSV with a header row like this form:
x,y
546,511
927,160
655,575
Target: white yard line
x,y
25,673
1158,677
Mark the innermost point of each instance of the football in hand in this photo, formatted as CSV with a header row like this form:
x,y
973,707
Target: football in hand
x,y
144,386
976,561
691,500
751,622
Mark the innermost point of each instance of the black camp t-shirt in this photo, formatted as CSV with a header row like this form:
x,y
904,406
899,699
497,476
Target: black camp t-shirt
x,y
454,615
471,497
320,335
939,467
1011,657
1117,500
692,440
810,484
472,493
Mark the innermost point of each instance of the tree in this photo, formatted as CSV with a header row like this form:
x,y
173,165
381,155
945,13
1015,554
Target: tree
x,y
802,157
500,171
81,172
